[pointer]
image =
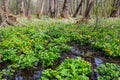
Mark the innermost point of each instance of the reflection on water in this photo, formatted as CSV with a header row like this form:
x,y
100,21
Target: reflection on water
x,y
96,58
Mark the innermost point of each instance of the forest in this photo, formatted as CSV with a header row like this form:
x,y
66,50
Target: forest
x,y
59,39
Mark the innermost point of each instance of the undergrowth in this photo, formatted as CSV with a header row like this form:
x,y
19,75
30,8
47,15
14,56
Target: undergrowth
x,y
42,41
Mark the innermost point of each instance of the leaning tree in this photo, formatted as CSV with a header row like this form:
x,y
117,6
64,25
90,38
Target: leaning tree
x,y
86,15
78,9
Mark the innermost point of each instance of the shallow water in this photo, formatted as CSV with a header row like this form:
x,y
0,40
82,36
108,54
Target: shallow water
x,y
96,58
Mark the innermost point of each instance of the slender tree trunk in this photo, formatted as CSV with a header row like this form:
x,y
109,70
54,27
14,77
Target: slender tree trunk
x,y
53,8
16,7
22,9
5,5
41,10
28,12
66,9
78,9
116,7
1,16
119,11
88,8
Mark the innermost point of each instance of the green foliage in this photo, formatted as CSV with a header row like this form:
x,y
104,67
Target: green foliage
x,y
26,46
6,72
44,40
70,69
109,72
108,40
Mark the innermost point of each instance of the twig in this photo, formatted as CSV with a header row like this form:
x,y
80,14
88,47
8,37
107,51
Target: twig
x,y
2,24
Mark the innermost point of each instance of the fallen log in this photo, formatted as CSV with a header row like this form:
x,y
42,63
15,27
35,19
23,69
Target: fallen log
x,y
7,19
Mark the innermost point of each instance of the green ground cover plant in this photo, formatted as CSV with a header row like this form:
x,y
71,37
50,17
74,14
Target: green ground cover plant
x,y
42,41
109,72
70,69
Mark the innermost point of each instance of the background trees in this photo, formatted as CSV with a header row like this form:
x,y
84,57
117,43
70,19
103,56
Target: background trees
x,y
79,9
115,10
61,8
53,8
66,9
22,8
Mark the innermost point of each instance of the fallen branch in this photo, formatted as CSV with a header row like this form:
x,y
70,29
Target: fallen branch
x,y
2,24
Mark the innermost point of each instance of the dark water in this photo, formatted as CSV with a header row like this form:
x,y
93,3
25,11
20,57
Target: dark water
x,y
30,74
95,57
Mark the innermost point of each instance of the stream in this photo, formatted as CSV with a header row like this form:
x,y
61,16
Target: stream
x,y
95,57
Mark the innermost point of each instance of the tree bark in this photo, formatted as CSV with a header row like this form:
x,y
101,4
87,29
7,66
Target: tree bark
x,y
119,11
78,9
66,9
16,7
22,9
41,10
28,12
5,5
88,8
53,8
116,7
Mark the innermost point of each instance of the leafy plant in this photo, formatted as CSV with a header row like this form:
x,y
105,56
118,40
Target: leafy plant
x,y
109,72
70,69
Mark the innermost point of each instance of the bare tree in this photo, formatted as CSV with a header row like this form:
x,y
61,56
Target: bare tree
x,y
53,8
5,5
66,9
40,13
115,10
119,11
22,8
78,9
88,8
28,12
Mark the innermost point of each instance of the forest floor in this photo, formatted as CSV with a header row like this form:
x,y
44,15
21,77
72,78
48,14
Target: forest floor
x,y
50,49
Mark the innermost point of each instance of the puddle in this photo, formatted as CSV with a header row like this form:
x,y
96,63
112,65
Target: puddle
x,y
30,74
96,58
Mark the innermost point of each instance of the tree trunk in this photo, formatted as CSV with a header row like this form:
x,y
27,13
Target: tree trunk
x,y
66,9
87,12
22,9
16,7
41,10
53,8
5,5
28,12
116,7
78,9
88,8
119,11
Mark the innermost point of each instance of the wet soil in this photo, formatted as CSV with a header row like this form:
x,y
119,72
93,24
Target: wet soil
x,y
87,52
